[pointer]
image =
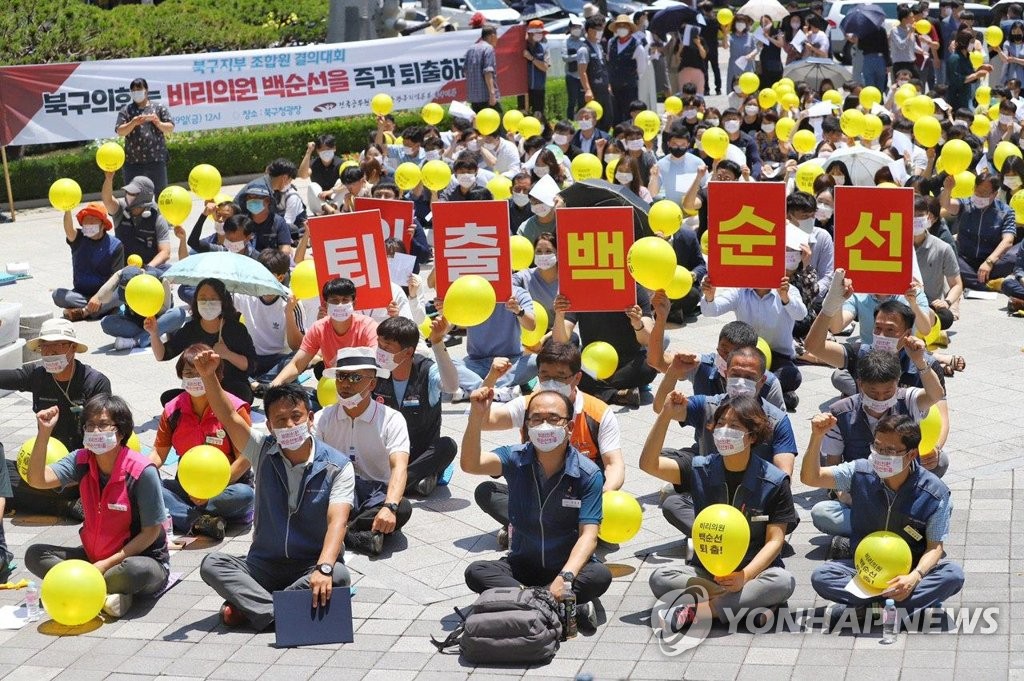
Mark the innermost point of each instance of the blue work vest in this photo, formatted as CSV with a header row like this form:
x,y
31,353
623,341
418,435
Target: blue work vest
x,y
621,64
853,425
706,440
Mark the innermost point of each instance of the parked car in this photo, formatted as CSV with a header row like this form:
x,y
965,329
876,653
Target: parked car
x,y
836,10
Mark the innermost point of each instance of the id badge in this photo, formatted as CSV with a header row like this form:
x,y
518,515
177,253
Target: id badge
x,y
214,440
572,503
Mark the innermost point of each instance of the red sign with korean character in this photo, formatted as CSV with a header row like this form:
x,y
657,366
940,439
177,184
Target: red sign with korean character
x,y
592,247
472,237
747,234
396,218
351,245
874,237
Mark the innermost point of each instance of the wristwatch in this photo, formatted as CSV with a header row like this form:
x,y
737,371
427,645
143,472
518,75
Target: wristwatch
x,y
392,507
521,313
325,569
568,576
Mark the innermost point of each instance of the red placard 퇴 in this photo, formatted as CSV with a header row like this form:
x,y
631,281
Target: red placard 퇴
x,y
396,217
351,245
874,237
592,244
472,237
746,234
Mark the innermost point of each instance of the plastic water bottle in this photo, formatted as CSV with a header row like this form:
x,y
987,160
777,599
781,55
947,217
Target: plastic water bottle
x,y
569,605
32,602
889,620
168,530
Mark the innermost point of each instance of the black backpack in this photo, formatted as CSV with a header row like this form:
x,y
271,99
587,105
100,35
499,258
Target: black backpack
x,y
508,624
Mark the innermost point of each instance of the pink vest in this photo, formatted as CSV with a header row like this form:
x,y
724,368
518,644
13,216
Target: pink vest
x,y
191,429
108,514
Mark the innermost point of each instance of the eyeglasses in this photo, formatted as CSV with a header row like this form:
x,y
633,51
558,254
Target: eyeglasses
x,y
101,427
891,452
534,420
351,379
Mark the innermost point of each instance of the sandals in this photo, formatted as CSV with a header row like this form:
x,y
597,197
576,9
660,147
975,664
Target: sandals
x,y
956,364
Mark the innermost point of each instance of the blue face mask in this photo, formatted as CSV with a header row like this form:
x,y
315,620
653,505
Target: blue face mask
x,y
254,206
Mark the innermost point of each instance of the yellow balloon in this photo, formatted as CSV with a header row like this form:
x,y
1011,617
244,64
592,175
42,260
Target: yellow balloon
x,y
175,204
931,426
725,16
327,389
586,167
766,350
870,96
833,97
964,185
134,443
144,295
531,127
806,174
600,359
432,113
784,128
781,87
425,329
470,301
609,171
73,592
65,194
204,472
532,338
652,262
993,112
382,104
927,131
993,36
673,105
511,119
721,537
205,182
487,121
665,217
923,26
1017,204
786,82
789,101
905,92
704,243
933,334
852,123
715,142
748,82
880,557
436,175
522,252
649,122
682,283
407,175
134,260
977,59
110,156
872,127
767,98
956,156
887,185
55,451
804,141
596,107
983,95
223,198
500,187
621,517
304,283
981,125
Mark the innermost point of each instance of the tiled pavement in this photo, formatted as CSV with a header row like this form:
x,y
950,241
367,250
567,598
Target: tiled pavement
x,y
406,595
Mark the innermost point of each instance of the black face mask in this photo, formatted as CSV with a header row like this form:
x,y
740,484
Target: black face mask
x,y
677,152
1017,38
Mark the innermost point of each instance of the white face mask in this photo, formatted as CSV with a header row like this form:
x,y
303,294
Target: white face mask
x,y
540,209
541,171
840,180
193,385
1005,120
576,32
473,145
90,230
326,157
560,140
740,27
981,202
408,151
209,309
218,227
99,441
352,401
465,180
611,158
877,406
545,261
885,466
635,145
806,225
728,440
434,155
586,124
340,312
521,199
885,344
54,364
720,364
234,246
138,96
491,146
711,121
690,114
751,110
292,438
1012,182
555,386
624,178
921,225
546,437
731,126
767,128
386,360
792,260
823,213
736,386
622,32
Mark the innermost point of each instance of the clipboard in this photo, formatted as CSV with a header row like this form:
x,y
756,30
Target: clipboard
x,y
298,623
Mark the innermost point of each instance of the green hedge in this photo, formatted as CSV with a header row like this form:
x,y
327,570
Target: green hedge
x,y
237,151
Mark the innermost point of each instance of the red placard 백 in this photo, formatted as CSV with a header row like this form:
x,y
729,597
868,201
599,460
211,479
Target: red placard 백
x,y
592,247
874,237
472,237
746,234
396,217
351,245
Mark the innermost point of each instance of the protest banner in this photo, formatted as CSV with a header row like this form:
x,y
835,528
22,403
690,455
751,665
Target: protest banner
x,y
396,218
472,237
746,234
351,245
874,237
592,271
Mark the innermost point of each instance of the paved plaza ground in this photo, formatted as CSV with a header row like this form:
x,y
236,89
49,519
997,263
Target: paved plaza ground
x,y
408,593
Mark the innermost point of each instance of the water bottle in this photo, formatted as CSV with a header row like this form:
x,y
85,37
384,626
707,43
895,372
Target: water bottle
x,y
32,602
889,619
168,530
569,606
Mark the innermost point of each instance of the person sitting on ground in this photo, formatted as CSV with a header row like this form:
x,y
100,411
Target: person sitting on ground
x,y
138,224
236,235
322,171
122,533
270,228
940,270
219,213
6,492
95,256
376,438
733,475
986,232
188,421
306,490
553,549
890,491
126,326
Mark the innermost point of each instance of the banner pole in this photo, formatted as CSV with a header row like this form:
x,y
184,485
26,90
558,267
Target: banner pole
x,y
7,181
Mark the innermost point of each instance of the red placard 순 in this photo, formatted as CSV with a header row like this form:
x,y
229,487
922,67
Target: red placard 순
x,y
396,217
746,234
351,245
592,245
874,237
472,237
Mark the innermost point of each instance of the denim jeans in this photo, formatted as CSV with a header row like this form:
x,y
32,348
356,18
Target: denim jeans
x,y
945,580
472,371
874,71
122,326
233,504
71,299
266,367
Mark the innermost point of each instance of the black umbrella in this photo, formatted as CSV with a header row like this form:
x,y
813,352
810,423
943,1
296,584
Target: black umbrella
x,y
668,21
598,193
863,20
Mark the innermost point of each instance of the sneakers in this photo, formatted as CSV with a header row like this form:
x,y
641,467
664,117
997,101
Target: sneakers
x,y
629,397
124,343
427,485
74,510
503,539
460,395
370,543
507,394
211,526
676,619
840,549
995,284
230,616
116,605
75,314
586,618
792,400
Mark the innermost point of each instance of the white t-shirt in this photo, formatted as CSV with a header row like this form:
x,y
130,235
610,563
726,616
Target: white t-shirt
x,y
266,323
369,440
379,314
608,429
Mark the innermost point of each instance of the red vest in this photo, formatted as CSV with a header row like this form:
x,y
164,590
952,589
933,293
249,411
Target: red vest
x,y
189,429
108,513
